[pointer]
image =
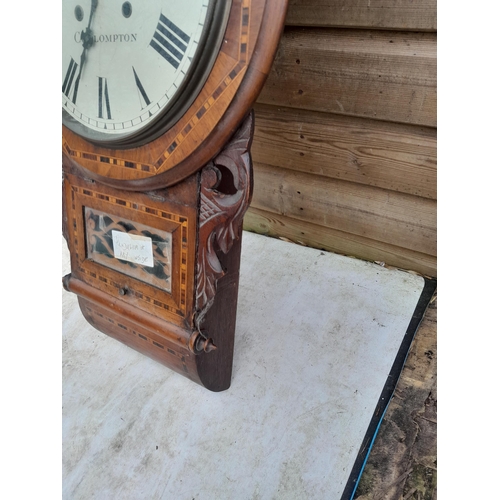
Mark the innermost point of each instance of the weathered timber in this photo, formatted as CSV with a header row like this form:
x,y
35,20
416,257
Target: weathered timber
x,y
386,216
391,156
331,240
389,76
404,15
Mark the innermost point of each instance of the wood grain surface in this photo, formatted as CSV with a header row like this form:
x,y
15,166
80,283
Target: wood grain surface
x,y
346,132
388,76
390,156
332,240
404,15
387,216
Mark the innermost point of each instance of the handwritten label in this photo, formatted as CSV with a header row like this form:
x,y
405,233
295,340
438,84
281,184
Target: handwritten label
x,y
133,248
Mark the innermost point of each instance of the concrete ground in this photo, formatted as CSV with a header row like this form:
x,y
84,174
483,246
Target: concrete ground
x,y
316,336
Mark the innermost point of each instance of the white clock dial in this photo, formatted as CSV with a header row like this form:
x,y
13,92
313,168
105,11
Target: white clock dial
x,y
125,64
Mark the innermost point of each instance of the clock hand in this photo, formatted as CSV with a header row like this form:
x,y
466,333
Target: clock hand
x,y
87,42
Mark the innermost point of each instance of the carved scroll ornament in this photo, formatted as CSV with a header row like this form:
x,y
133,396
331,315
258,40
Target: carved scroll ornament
x,y
226,191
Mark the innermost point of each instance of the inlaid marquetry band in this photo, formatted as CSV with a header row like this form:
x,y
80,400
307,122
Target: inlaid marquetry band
x,y
165,350
181,221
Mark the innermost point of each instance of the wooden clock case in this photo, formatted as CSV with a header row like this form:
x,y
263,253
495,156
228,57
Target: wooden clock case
x,y
188,191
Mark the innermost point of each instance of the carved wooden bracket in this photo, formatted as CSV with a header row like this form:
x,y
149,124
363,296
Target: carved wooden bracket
x,y
226,191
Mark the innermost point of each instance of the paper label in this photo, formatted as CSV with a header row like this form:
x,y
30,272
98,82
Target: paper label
x,y
133,248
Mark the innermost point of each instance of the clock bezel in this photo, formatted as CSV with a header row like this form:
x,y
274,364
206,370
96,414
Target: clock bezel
x,y
237,77
200,68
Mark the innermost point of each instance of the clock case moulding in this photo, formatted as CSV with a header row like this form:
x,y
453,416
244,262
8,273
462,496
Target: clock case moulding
x,y
197,192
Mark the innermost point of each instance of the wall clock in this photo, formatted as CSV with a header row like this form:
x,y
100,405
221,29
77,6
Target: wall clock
x,y
157,175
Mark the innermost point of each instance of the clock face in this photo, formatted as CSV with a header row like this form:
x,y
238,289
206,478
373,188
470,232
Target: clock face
x,y
131,68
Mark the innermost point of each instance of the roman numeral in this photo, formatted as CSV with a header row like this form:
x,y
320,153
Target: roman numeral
x,y
69,80
141,89
103,98
169,41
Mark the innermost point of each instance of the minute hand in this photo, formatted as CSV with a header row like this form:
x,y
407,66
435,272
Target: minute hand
x,y
87,42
